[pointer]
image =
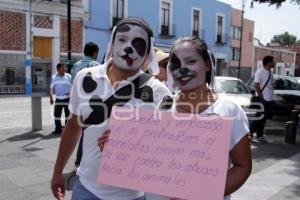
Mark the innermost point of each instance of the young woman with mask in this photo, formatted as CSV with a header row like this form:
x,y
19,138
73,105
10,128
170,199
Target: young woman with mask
x,y
191,66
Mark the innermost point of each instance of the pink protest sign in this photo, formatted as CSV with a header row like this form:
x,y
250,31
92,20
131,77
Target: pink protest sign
x,y
175,155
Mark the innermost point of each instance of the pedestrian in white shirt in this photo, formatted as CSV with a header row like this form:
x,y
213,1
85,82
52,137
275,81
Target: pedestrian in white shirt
x,y
60,87
263,81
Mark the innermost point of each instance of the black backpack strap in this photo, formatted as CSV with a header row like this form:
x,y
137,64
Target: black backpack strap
x,y
266,82
102,109
166,103
141,79
144,93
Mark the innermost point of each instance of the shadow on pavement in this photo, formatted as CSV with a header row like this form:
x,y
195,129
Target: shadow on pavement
x,y
30,136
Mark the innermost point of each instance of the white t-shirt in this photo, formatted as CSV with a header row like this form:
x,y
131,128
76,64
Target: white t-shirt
x,y
240,127
261,77
100,85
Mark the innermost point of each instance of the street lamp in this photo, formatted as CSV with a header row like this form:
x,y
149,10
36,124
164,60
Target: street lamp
x,y
241,39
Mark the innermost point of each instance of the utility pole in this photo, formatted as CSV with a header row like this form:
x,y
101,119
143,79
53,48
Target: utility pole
x,y
36,103
69,34
241,39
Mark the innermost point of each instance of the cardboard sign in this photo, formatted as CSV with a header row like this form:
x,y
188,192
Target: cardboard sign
x,y
170,154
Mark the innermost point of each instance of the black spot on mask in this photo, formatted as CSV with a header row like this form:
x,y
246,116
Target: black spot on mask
x,y
174,62
140,45
123,28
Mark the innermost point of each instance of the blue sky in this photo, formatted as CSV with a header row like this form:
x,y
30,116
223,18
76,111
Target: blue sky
x,y
269,20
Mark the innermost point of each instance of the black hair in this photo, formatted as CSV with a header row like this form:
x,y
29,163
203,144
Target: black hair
x,y
267,60
137,22
90,48
59,65
203,51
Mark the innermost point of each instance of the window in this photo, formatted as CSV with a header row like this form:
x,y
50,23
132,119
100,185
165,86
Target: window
x,y
118,11
220,29
196,23
165,18
236,53
236,33
286,84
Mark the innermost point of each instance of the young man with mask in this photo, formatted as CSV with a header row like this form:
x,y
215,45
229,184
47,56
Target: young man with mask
x,y
96,90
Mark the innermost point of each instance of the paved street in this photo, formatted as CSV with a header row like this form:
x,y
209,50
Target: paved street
x,y
27,159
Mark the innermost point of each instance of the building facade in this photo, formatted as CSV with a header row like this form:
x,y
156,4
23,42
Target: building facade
x,y
285,59
245,58
49,40
297,62
169,19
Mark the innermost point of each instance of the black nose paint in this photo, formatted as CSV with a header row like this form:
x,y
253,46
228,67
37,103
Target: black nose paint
x,y
140,45
174,62
184,71
128,50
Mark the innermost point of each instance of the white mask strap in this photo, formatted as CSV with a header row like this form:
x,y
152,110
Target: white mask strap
x,y
108,53
153,67
213,68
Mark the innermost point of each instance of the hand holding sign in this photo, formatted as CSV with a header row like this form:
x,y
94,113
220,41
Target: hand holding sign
x,y
183,158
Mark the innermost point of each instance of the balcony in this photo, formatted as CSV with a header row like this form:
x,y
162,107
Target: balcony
x,y
222,39
75,3
115,21
167,31
200,34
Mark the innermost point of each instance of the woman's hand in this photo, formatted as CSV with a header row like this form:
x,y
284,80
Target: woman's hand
x,y
103,139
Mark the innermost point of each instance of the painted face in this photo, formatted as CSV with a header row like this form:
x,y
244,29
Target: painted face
x,y
130,46
187,67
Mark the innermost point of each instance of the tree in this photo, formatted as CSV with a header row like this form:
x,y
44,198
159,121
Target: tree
x,y
284,39
298,42
275,2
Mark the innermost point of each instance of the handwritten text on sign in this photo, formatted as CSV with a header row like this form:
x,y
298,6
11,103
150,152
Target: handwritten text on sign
x,y
170,156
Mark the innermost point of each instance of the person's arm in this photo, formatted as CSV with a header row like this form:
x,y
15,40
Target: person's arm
x,y
257,80
242,165
51,90
258,89
68,142
51,95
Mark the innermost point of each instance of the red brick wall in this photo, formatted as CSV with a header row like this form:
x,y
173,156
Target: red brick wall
x,y
12,31
41,21
77,37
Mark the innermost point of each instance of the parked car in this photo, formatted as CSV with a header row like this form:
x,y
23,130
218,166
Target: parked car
x,y
234,89
298,79
286,94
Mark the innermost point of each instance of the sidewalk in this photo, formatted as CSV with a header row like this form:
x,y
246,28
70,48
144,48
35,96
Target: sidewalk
x,y
26,163
27,159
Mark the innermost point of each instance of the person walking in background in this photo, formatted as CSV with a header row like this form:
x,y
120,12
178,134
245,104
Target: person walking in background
x,y
60,87
263,81
90,51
